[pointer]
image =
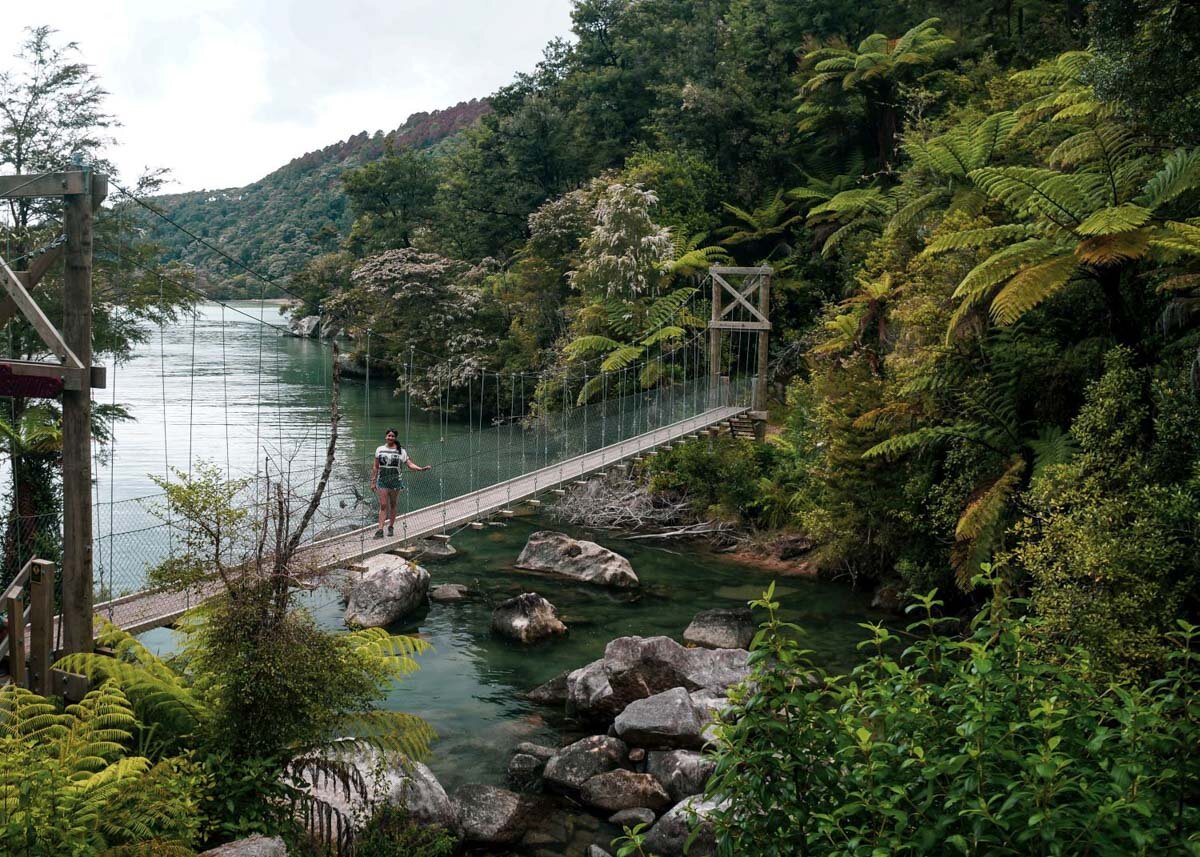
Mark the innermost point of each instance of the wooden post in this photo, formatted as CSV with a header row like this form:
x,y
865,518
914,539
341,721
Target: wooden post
x,y
759,402
16,639
714,349
77,595
41,624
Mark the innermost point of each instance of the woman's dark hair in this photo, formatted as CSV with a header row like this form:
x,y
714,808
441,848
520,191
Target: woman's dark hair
x,y
392,431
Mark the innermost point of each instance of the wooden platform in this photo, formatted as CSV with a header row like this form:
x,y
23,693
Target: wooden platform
x,y
153,609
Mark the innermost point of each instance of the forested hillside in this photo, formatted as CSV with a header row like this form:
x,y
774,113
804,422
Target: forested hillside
x,y
986,254
277,224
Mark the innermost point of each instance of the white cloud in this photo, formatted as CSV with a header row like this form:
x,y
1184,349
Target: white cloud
x,y
222,92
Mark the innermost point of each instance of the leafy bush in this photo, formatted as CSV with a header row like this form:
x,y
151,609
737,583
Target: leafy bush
x,y
1110,539
971,745
719,477
390,832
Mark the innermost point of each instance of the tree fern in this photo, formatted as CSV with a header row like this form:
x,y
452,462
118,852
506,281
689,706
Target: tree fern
x,y
68,785
982,521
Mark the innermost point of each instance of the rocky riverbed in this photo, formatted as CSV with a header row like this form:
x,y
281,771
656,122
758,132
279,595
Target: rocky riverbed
x,y
622,644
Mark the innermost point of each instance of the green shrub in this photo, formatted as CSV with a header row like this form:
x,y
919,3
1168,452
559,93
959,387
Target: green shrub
x,y
972,745
390,832
719,477
1111,539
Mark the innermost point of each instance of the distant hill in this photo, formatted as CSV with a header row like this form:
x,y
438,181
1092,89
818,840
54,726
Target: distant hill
x,y
278,223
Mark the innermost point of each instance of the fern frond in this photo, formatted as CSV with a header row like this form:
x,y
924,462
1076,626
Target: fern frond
x,y
1051,447
974,238
981,518
1031,286
586,346
1179,174
622,358
1120,218
920,439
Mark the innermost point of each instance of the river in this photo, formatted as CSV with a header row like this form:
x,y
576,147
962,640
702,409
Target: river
x,y
471,686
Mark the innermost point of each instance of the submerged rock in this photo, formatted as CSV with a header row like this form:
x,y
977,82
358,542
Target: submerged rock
x,y
582,560
389,589
251,846
539,751
553,692
577,763
621,789
527,618
721,629
632,817
525,771
683,773
448,592
666,720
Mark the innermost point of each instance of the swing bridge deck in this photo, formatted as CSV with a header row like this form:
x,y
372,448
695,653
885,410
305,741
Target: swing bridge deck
x,y
150,609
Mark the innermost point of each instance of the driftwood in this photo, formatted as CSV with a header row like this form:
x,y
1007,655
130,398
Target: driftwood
x,y
620,502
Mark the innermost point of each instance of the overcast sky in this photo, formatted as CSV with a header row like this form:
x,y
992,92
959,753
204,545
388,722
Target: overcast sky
x,y
224,91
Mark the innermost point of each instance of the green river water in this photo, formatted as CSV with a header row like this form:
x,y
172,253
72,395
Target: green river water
x,y
219,389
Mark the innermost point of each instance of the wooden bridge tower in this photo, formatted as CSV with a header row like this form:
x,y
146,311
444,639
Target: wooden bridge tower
x,y
750,290
72,377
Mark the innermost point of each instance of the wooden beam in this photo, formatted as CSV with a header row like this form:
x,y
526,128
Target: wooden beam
x,y
29,308
49,184
15,608
739,297
78,593
41,626
722,269
73,379
739,325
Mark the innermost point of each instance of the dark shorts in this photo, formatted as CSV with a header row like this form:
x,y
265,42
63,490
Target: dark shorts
x,y
390,479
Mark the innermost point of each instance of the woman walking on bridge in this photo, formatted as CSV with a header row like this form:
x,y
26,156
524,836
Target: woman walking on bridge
x,y
386,480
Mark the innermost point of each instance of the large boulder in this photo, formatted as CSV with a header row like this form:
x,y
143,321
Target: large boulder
x,y
667,720
251,846
582,560
637,667
721,629
331,328
306,327
589,695
389,589
494,816
683,773
392,781
527,618
577,763
621,789
670,834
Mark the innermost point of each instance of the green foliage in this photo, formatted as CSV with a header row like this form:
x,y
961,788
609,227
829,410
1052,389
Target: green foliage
x,y
71,785
940,744
1110,540
719,477
390,832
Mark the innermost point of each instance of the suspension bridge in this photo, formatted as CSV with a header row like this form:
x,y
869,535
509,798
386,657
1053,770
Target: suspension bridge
x,y
496,441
